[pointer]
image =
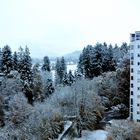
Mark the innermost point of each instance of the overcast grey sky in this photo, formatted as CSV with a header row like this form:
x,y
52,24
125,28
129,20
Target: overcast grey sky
x,y
56,27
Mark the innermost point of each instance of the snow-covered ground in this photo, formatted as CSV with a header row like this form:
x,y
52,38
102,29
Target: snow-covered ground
x,y
71,67
53,74
86,135
93,135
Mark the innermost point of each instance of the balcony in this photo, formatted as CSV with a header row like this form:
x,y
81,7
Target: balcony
x,y
137,34
132,37
138,37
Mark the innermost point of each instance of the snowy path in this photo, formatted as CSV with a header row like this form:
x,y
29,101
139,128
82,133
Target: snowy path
x,y
66,127
93,135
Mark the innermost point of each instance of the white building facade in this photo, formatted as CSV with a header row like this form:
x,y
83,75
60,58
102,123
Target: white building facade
x,y
135,76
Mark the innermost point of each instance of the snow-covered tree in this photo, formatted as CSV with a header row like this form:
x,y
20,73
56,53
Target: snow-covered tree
x,y
124,48
20,59
1,112
123,130
15,61
77,75
90,61
25,65
123,82
117,55
107,89
48,87
19,108
46,64
37,83
65,79
46,77
81,101
71,77
96,60
84,65
0,60
60,70
109,64
25,70
57,71
68,78
6,59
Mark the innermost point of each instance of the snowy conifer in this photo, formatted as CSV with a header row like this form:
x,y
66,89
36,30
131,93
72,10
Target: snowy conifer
x,y
15,61
6,59
70,77
109,64
46,65
37,83
0,60
25,65
61,70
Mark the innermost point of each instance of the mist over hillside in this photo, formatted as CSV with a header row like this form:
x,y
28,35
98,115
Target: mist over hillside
x,y
74,56
70,57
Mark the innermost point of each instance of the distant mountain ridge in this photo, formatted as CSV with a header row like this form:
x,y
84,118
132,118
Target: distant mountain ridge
x,y
74,56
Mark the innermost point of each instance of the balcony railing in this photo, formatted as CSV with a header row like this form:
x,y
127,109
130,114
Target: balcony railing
x,y
138,38
132,39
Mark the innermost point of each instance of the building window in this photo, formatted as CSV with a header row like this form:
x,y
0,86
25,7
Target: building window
x,y
132,47
137,36
131,116
131,92
138,88
138,112
138,71
138,63
138,104
138,80
138,46
132,78
138,120
131,109
132,56
132,70
138,96
131,101
131,85
138,54
132,37
132,63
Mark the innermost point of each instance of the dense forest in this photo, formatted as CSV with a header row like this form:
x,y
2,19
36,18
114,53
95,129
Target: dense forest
x,y
34,106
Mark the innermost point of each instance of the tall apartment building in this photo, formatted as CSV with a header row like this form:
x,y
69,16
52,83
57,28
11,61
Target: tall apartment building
x,y
135,76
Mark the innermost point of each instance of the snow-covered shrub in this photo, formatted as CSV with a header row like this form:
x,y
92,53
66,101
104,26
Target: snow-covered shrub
x,y
15,118
10,86
80,100
19,108
39,122
108,89
23,121
1,112
37,83
46,122
124,130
